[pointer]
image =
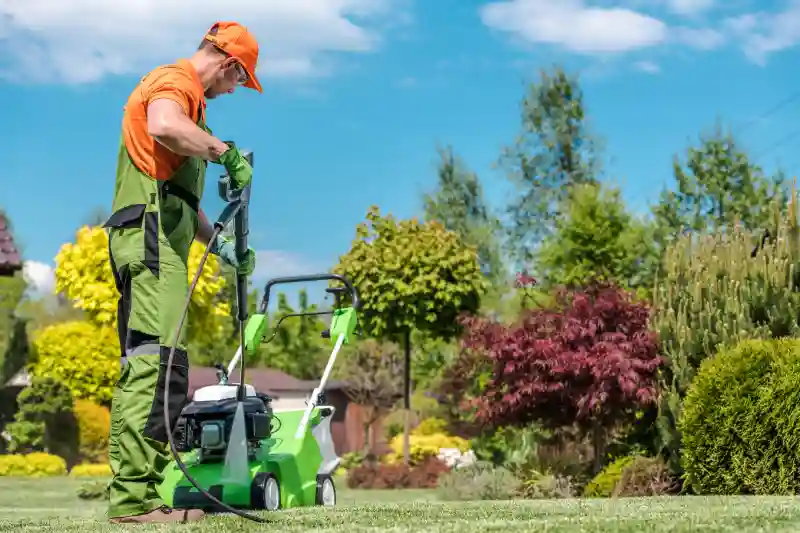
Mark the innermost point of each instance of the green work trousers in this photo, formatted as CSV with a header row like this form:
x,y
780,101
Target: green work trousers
x,y
152,280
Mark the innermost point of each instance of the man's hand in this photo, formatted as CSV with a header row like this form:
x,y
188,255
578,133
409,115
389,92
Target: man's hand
x,y
226,250
239,169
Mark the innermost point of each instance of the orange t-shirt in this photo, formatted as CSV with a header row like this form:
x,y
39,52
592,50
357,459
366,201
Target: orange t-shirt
x,y
178,82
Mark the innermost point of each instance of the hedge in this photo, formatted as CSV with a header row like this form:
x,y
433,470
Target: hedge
x,y
741,421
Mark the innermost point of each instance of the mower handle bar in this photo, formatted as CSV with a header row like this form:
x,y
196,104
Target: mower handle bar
x,y
311,277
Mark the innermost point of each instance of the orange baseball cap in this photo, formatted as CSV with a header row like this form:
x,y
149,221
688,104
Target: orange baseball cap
x,y
234,39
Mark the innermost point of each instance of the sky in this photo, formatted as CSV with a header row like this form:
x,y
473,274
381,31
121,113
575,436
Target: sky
x,y
358,94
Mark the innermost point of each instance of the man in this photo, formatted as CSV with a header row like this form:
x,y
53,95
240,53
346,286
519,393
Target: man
x,y
164,151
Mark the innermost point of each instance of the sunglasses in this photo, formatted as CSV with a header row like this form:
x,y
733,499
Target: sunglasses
x,y
241,73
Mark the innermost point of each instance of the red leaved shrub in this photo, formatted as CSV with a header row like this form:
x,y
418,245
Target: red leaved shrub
x,y
396,476
591,360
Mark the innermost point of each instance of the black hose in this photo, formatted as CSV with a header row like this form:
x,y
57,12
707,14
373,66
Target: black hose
x,y
174,451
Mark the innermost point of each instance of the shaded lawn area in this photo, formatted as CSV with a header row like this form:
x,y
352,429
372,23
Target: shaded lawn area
x,y
50,505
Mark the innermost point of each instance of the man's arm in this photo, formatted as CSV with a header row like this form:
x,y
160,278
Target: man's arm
x,y
168,124
204,230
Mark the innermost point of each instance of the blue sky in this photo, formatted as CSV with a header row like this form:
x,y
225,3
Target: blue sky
x,y
358,93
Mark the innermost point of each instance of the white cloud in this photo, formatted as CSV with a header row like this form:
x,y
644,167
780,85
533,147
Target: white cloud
x,y
689,7
762,33
278,263
647,66
581,27
80,41
40,278
574,25
700,38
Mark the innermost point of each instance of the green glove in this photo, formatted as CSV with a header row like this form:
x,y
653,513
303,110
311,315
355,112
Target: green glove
x,y
226,250
239,170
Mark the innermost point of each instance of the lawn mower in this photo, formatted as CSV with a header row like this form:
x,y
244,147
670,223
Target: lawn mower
x,y
231,450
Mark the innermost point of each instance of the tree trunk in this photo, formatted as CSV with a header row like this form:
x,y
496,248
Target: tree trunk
x,y
599,446
407,399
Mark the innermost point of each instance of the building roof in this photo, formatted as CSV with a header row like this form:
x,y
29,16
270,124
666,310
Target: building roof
x,y
10,259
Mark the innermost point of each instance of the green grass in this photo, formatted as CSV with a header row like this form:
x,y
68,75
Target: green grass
x,y
50,505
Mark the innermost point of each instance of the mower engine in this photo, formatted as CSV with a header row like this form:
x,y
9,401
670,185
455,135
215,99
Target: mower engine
x,y
205,423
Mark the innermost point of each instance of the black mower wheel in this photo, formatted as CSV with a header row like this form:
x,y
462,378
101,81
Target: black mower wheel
x,y
326,491
265,492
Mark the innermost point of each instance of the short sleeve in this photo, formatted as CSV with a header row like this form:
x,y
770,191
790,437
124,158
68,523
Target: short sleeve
x,y
177,85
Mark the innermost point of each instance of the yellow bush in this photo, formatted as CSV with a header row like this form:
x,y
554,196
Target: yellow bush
x,y
94,423
35,464
83,356
90,470
423,446
83,275
430,426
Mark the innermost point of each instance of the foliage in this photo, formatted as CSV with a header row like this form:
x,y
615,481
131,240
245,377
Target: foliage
x,y
36,464
740,421
604,483
548,487
597,239
91,470
431,426
373,371
714,294
396,476
44,421
481,481
82,355
645,476
94,425
591,361
93,490
83,274
13,338
423,447
411,276
718,187
298,347
458,204
554,152
352,460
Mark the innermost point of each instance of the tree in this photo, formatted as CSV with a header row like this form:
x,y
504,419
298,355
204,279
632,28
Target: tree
x,y
13,335
83,275
458,203
298,347
45,420
554,152
82,355
411,276
373,372
591,361
718,290
597,239
718,186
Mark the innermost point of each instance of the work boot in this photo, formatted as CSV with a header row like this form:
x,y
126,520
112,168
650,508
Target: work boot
x,y
162,515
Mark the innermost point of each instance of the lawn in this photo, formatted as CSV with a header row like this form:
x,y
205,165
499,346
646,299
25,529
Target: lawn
x,y
51,506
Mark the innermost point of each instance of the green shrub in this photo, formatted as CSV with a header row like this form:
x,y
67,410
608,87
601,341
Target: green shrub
x,y
35,464
481,481
351,460
603,484
645,476
45,421
93,490
714,294
548,487
741,421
